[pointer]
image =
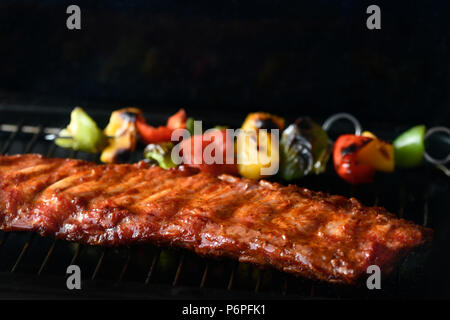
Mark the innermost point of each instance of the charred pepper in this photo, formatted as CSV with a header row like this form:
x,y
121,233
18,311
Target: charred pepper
x,y
346,163
304,149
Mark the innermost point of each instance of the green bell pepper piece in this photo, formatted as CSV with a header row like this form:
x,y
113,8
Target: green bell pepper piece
x,y
190,125
82,133
161,153
409,147
304,149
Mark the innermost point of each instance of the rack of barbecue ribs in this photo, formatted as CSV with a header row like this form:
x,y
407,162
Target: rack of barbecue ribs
x,y
295,230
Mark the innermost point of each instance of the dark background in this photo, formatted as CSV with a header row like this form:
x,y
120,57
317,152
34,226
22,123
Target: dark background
x,y
224,58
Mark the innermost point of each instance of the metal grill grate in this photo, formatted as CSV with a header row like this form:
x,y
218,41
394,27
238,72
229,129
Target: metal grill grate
x,y
162,269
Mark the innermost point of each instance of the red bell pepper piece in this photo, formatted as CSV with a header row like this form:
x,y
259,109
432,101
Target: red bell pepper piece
x,y
150,134
217,141
178,120
346,164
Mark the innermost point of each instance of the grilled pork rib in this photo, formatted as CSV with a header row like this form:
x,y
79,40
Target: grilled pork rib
x,y
306,233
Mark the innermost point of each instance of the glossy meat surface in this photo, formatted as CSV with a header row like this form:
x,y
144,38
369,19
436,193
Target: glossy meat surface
x,y
295,230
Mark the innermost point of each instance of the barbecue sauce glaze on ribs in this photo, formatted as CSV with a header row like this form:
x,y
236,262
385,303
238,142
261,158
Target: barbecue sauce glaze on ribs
x,y
293,229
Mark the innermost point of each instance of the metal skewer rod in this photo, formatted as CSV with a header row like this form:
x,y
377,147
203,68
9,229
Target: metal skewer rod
x,y
429,158
338,116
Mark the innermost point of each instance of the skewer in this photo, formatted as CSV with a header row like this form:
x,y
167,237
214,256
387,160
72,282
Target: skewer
x,y
347,116
438,163
51,134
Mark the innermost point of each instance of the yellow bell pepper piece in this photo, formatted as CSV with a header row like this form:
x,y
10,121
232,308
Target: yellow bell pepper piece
x,y
257,155
262,120
123,135
369,134
377,153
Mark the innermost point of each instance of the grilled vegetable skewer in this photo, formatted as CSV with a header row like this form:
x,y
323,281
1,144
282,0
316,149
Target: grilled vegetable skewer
x,y
304,146
357,157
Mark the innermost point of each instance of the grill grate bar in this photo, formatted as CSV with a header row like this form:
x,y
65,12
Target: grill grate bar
x,y
377,192
11,138
50,152
312,292
425,209
76,254
99,264
259,280
402,201
22,253
152,266
5,149
73,154
125,266
205,275
33,140
47,257
232,275
284,288
178,273
27,244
